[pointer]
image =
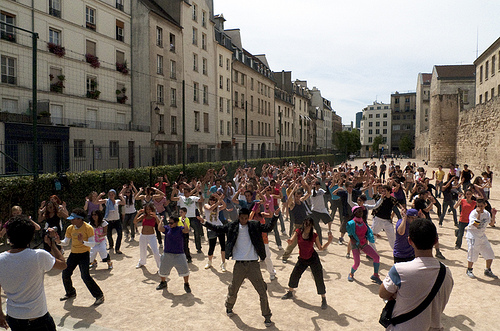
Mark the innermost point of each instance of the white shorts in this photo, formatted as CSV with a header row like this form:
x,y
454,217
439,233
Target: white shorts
x,y
479,246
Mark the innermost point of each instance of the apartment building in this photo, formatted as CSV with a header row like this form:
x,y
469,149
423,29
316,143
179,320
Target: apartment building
x,y
305,127
422,116
83,83
488,73
285,110
376,121
403,106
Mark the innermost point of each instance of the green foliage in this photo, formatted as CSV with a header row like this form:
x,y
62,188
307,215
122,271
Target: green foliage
x,y
21,191
406,144
348,141
378,140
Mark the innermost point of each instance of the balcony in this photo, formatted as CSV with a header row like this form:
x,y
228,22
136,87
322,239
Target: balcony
x,y
119,6
90,26
9,36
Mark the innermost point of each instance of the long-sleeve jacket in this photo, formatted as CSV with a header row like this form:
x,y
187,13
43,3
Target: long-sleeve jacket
x,y
255,230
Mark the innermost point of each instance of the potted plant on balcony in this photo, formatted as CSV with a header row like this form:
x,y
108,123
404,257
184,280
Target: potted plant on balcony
x,y
93,60
120,95
93,93
9,36
122,67
57,86
57,50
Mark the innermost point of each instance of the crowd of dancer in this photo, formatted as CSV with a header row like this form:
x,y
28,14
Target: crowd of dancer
x,y
238,212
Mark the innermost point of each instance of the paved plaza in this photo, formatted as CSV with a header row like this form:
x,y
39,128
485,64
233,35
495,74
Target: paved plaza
x,y
132,303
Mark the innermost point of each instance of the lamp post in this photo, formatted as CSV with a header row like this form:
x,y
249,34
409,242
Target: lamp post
x,y
246,133
154,111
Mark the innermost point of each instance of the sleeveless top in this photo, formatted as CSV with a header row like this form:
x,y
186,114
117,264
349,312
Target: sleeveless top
x,y
92,207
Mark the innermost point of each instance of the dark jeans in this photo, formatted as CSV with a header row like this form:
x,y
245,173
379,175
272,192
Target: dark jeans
x,y
198,232
317,271
276,232
128,222
446,205
118,226
213,241
81,260
282,222
44,323
317,217
186,246
460,233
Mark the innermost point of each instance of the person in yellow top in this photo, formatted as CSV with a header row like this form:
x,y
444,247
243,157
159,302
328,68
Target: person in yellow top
x,y
182,217
439,180
82,239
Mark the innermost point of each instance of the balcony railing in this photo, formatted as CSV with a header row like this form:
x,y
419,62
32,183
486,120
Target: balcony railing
x,y
55,12
119,6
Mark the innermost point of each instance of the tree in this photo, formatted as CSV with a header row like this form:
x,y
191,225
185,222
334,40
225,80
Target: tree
x,y
377,141
347,141
406,144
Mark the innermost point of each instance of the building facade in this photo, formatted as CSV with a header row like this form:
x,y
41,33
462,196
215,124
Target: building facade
x,y
488,74
422,116
376,121
403,106
83,86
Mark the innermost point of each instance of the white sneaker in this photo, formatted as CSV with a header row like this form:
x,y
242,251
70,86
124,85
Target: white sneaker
x,y
280,247
272,277
138,265
208,265
223,266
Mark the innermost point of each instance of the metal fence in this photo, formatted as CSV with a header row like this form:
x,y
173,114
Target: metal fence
x,y
60,156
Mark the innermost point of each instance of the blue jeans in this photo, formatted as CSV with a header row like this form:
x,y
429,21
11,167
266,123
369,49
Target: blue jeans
x,y
460,233
44,323
118,226
128,222
277,238
446,205
81,260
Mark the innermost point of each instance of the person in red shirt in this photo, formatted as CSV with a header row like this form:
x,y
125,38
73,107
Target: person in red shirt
x,y
305,237
467,205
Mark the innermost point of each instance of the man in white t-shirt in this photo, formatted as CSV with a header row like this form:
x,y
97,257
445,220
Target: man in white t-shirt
x,y
189,200
410,282
21,276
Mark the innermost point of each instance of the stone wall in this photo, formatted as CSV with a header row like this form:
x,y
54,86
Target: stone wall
x,y
478,137
422,145
442,129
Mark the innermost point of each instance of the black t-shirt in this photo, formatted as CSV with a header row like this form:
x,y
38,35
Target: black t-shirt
x,y
383,167
385,209
467,176
421,204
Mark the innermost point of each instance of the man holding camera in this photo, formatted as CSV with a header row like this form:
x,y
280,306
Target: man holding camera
x,y
21,276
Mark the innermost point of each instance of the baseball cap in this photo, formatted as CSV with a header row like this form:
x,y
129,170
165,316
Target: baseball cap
x,y
412,212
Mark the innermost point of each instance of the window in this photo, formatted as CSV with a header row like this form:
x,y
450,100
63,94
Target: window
x,y
205,122
480,98
196,87
119,5
228,84
55,8
56,80
251,127
407,100
195,62
196,121
221,127
119,30
384,123
204,19
251,103
91,84
173,124
161,123
79,148
493,65
221,60
377,123
384,140
221,82
242,79
377,115
172,43
228,128
221,104
113,149
10,105
195,12
90,47
396,127
173,70
396,100
236,126
242,100
251,84
120,57
54,36
205,94
370,131
159,64
159,94
485,96
486,70
480,74
384,131
370,124
228,106
159,36
377,131
204,41
56,114
8,32
227,64
195,36
370,115
173,97
90,18
235,98
385,115
205,65
370,139
465,96
236,76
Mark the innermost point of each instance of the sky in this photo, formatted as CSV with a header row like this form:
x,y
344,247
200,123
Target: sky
x,y
360,51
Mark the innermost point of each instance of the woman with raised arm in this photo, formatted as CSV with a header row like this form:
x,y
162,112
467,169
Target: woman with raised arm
x,y
150,221
212,208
